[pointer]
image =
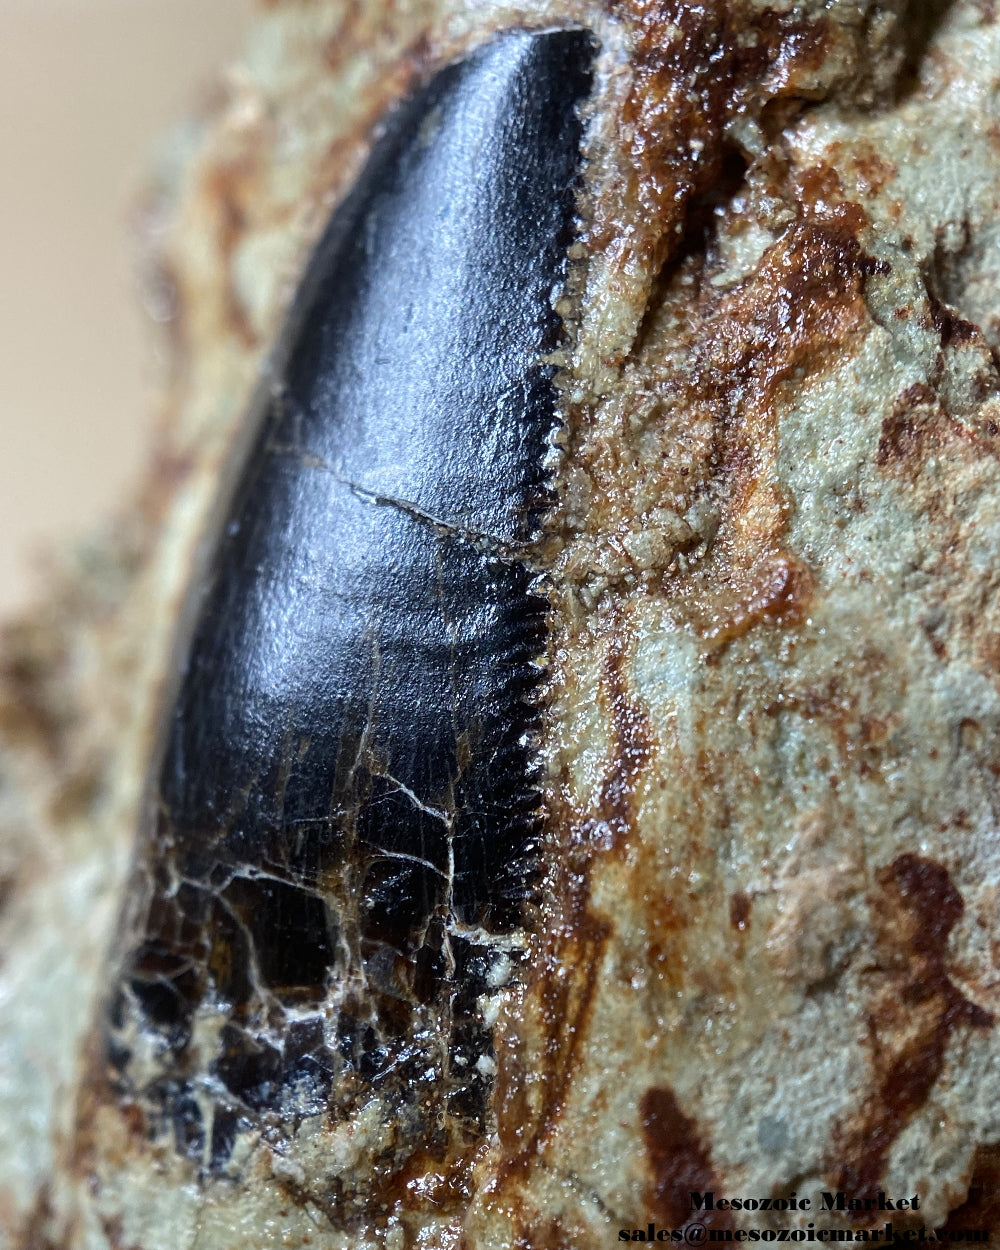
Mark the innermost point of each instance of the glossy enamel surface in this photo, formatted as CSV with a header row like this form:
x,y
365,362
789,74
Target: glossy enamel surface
x,y
345,819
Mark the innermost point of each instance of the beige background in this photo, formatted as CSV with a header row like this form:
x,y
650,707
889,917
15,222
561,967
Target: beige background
x,y
86,89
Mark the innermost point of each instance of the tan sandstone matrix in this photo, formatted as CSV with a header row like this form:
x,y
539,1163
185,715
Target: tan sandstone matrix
x,y
747,951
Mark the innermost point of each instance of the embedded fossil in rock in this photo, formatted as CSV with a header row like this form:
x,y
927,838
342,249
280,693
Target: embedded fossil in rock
x,y
759,951
344,829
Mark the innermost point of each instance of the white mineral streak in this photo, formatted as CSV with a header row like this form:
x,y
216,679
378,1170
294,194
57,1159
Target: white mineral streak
x,y
775,704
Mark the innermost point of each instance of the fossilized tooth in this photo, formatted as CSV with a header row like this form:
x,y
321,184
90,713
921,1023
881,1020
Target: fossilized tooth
x,y
343,829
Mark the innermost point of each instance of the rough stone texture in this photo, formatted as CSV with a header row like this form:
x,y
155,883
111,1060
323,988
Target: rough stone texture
x,y
767,956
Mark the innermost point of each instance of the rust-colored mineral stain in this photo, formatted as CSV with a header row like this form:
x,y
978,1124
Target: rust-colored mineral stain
x,y
682,77
551,1234
437,1180
906,428
787,47
563,996
114,1231
168,472
678,1159
798,313
806,296
695,67
36,1231
634,741
981,1208
924,889
778,591
740,907
562,1002
953,328
915,910
32,713
228,190
349,34
873,172
920,427
667,921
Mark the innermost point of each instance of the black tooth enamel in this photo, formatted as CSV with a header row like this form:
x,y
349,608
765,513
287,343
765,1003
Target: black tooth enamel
x,y
345,771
